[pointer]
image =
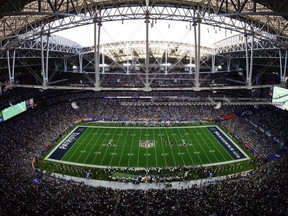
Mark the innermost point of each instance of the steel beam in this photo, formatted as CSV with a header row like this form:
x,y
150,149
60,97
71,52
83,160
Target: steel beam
x,y
251,62
43,63
147,45
80,57
47,60
213,57
139,88
197,53
103,63
247,59
97,24
285,67
11,70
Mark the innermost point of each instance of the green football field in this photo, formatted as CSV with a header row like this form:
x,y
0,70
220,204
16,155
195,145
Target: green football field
x,y
99,146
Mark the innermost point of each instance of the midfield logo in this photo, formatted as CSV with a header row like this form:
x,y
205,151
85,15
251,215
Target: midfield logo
x,y
147,143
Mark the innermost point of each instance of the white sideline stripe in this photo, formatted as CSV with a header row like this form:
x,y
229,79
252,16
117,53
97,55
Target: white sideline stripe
x,y
240,149
47,157
99,166
130,127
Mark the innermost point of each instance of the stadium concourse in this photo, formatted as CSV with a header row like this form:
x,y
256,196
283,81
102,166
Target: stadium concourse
x,y
25,191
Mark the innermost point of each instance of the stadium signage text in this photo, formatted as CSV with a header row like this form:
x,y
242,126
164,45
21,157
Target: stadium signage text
x,y
230,147
64,147
69,140
225,142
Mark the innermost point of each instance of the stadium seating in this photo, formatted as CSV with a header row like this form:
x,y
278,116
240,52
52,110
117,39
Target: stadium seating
x,y
25,191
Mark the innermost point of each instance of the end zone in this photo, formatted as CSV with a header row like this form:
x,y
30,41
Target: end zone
x,y
228,144
64,146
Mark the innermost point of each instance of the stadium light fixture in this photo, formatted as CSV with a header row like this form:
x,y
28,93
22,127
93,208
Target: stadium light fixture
x,y
190,65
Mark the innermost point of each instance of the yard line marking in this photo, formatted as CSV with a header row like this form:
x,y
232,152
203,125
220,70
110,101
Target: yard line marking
x,y
186,147
97,144
112,153
104,156
131,145
156,143
218,146
169,141
163,152
79,145
139,150
86,144
115,134
199,144
90,144
124,145
206,143
194,147
180,152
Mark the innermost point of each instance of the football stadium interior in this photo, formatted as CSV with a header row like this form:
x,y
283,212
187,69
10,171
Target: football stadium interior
x,y
146,107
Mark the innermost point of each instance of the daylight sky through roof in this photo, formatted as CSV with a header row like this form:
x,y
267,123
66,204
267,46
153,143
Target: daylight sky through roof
x,y
134,30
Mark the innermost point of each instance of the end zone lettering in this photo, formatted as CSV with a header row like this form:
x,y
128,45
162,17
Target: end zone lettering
x,y
64,147
70,139
227,144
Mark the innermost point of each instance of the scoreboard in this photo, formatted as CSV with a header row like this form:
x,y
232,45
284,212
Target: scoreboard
x,y
16,109
280,97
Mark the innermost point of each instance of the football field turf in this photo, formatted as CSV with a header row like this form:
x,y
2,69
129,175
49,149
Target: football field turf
x,y
102,146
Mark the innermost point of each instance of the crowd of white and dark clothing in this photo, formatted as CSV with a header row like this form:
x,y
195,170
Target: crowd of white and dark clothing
x,y
263,192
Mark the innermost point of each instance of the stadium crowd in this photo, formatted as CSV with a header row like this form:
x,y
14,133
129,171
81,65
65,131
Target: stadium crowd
x,y
27,192
118,78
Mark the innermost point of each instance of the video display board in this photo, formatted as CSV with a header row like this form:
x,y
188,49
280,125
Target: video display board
x,y
280,97
14,110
